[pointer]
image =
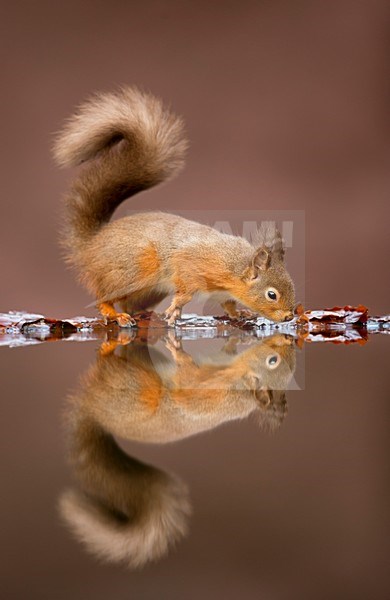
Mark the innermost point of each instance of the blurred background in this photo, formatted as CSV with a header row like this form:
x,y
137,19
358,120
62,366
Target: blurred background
x,y
286,106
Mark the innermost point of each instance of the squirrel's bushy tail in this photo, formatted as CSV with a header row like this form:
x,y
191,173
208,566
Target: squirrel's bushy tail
x,y
129,143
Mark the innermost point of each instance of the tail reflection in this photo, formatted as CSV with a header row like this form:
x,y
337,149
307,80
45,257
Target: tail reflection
x,y
126,510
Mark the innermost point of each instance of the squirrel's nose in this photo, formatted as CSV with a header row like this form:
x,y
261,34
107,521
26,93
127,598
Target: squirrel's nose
x,y
288,317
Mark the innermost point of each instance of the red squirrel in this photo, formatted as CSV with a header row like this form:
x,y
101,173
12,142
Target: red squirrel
x,y
129,142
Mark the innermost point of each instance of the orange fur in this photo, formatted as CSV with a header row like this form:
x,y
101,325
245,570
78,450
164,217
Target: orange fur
x,y
148,263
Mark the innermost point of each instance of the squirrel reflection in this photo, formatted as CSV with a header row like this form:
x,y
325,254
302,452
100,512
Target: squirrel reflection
x,y
125,510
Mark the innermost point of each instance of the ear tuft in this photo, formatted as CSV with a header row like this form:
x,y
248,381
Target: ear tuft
x,y
268,236
278,246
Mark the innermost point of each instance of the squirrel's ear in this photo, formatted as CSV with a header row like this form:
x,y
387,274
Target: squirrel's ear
x,y
264,396
261,260
278,246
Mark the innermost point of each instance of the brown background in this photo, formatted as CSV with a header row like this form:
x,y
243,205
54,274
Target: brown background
x,y
286,105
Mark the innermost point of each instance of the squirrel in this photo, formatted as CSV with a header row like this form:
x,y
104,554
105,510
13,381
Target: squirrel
x,y
129,142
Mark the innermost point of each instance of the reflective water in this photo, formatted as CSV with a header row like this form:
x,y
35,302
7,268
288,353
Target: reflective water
x,y
217,467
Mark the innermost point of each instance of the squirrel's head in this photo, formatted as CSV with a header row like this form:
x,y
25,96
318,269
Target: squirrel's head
x,y
270,289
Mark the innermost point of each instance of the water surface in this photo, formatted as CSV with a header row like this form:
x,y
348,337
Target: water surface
x,y
207,467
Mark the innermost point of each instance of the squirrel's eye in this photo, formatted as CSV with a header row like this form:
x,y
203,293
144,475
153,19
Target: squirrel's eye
x,y
271,294
272,361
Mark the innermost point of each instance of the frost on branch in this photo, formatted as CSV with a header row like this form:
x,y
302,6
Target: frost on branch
x,y
340,325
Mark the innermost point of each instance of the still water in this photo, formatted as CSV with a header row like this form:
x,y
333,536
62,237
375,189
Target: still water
x,y
200,466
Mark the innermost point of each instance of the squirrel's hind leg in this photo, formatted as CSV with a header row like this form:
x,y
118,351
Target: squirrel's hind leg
x,y
108,311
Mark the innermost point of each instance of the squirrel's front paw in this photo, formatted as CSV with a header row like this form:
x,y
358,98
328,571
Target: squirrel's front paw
x,y
240,314
231,310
